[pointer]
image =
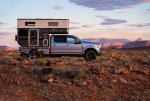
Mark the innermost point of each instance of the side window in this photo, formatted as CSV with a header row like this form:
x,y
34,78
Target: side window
x,y
60,39
33,35
71,40
45,42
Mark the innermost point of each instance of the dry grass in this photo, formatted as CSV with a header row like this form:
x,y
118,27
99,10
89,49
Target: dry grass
x,y
75,79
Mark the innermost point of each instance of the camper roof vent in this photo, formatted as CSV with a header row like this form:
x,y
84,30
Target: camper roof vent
x,y
29,23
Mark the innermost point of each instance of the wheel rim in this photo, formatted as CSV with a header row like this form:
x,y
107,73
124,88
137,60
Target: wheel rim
x,y
91,56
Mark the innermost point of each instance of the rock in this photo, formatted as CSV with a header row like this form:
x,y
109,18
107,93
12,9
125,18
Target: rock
x,y
84,83
50,80
68,83
103,70
81,83
123,81
114,81
49,63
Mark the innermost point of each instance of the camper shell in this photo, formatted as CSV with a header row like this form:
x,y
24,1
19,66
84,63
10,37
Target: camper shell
x,y
36,32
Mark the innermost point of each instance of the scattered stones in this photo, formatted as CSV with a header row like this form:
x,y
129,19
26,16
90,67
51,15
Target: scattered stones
x,y
123,81
121,71
141,71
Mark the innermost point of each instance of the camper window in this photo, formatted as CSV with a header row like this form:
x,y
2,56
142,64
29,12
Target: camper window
x,y
29,23
52,23
23,33
45,42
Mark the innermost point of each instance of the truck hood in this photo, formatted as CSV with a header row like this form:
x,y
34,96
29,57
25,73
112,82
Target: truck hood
x,y
85,42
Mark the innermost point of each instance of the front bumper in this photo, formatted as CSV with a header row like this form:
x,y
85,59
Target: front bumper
x,y
99,53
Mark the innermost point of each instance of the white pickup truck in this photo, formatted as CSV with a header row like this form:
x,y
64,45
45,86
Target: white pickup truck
x,y
40,37
66,45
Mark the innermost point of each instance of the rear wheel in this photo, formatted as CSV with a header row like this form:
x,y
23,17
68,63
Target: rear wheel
x,y
35,54
90,55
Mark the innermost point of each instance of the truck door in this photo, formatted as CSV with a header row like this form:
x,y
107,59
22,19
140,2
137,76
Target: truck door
x,y
72,47
33,37
58,44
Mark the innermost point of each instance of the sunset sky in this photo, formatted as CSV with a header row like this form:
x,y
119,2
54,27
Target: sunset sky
x,y
127,19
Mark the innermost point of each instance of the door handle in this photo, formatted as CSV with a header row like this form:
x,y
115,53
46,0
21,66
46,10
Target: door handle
x,y
67,45
54,45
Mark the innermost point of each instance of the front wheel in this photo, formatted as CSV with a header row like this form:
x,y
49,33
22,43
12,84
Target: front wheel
x,y
90,55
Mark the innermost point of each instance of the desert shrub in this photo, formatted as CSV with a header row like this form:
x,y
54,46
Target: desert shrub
x,y
144,60
124,59
69,73
4,61
20,58
81,74
61,70
35,71
47,77
38,63
2,53
105,64
16,70
94,70
46,70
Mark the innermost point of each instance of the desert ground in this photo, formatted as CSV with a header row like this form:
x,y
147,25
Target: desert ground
x,y
117,75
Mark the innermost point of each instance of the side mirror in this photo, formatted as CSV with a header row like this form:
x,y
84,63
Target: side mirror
x,y
78,41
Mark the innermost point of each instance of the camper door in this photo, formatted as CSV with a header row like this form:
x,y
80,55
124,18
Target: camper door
x,y
33,37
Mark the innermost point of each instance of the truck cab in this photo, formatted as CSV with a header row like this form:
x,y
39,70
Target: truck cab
x,y
72,45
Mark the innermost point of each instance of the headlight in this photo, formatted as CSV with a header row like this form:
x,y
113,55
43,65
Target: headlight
x,y
98,46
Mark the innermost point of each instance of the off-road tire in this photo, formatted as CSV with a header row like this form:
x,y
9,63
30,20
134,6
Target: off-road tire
x,y
90,55
37,54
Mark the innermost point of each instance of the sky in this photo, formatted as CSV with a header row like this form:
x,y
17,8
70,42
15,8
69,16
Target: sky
x,y
123,19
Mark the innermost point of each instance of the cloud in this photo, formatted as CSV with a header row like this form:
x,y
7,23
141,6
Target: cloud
x,y
140,25
1,23
87,26
99,16
73,22
148,9
112,21
5,33
57,7
108,4
73,28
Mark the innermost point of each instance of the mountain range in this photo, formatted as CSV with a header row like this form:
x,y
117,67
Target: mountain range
x,y
120,43
108,43
6,48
